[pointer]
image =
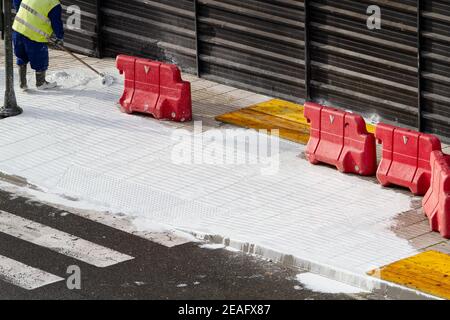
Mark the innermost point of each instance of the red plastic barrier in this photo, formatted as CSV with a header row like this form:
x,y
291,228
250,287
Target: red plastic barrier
x,y
155,88
406,158
126,65
436,203
341,139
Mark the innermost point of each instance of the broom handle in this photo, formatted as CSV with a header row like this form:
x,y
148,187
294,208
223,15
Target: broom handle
x,y
77,58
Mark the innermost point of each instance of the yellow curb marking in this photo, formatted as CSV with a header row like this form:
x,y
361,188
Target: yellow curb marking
x,y
285,116
428,272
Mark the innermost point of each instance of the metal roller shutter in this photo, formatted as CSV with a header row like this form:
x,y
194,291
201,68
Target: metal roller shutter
x,y
370,71
157,29
254,44
84,40
436,66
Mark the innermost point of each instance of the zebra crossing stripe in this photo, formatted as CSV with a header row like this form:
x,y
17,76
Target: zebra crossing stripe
x,y
24,276
60,241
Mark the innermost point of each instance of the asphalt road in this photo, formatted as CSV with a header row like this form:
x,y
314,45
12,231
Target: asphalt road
x,y
156,272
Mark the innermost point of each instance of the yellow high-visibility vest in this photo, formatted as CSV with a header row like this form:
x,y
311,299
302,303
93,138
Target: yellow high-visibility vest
x,y
32,19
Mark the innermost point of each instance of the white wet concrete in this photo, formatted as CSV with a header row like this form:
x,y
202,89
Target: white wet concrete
x,y
74,142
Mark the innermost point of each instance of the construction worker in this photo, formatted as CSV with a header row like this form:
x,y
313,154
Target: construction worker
x,y
36,22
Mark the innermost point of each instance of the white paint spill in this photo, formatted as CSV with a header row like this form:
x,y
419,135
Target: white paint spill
x,y
320,284
182,285
212,246
108,80
231,249
373,119
71,80
61,75
78,78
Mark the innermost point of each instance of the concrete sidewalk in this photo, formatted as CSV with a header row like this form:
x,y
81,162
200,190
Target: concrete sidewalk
x,y
75,145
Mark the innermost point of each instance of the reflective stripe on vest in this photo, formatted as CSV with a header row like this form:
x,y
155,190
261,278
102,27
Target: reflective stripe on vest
x,y
30,26
32,19
37,14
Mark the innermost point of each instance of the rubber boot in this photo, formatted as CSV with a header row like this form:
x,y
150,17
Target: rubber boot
x,y
42,83
23,77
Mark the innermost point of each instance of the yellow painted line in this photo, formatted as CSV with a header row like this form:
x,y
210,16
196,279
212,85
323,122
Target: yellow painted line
x,y
275,114
428,272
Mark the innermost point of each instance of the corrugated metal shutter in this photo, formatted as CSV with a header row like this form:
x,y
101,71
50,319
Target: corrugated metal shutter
x,y
436,66
254,44
156,29
370,71
82,40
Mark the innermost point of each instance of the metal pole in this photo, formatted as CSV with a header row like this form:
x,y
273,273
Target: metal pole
x,y
10,107
307,38
2,23
419,66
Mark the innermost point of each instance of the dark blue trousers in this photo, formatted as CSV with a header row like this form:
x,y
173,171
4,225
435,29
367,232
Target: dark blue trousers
x,y
28,51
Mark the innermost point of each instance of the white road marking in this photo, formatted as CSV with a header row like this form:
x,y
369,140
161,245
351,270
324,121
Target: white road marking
x,y
167,238
24,276
59,241
162,235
